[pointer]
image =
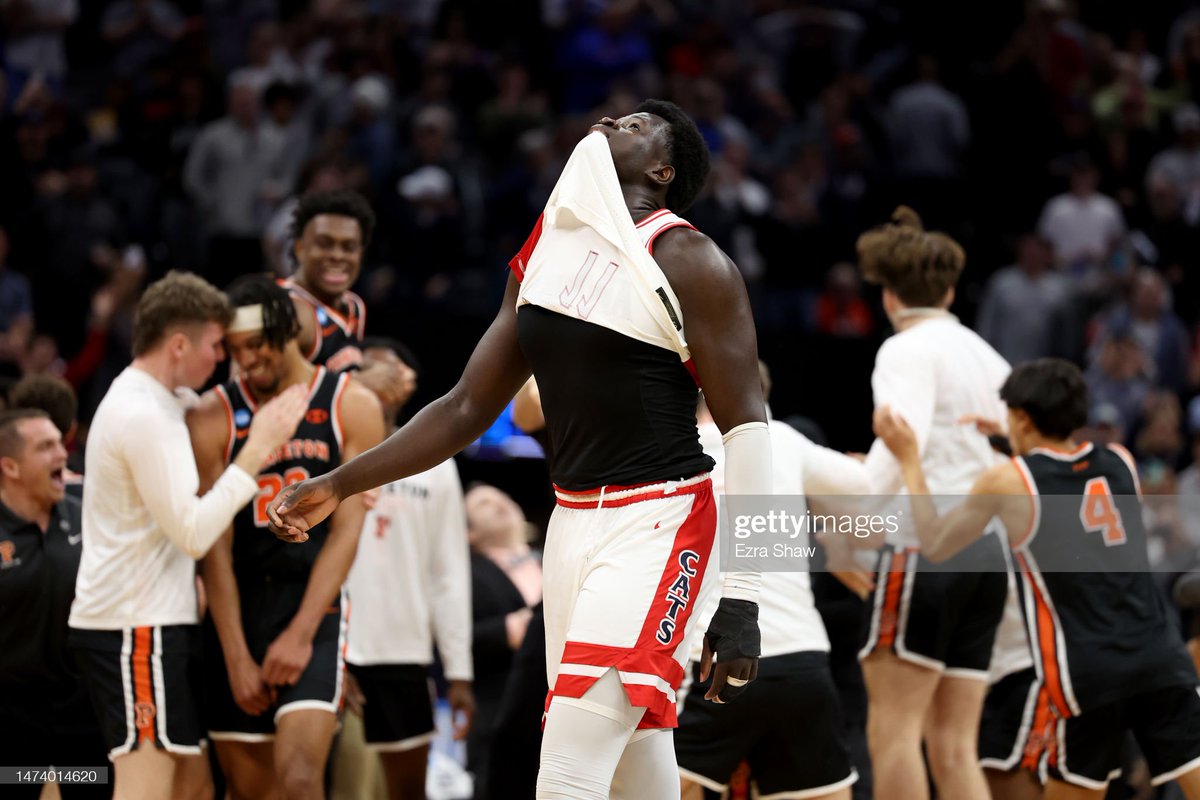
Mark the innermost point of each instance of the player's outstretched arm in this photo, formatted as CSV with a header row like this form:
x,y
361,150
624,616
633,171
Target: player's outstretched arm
x,y
721,336
495,372
945,535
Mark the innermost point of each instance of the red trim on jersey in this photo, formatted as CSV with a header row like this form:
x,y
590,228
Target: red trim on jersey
x,y
646,220
654,236
690,366
517,263
649,655
1046,648
596,500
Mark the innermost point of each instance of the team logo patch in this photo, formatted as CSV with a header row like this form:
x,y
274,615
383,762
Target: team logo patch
x,y
8,551
678,595
241,418
317,416
143,715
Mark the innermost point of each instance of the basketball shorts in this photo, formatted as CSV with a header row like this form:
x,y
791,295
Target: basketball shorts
x,y
1017,723
397,707
625,567
1086,749
139,683
934,616
267,609
787,725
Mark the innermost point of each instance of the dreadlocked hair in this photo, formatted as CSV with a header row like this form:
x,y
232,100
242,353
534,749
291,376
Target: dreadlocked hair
x,y
280,324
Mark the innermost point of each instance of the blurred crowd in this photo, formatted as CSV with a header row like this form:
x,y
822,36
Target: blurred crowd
x,y
1058,140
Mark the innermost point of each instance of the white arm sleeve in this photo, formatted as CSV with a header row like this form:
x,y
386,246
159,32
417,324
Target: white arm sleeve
x,y
451,600
828,472
160,458
747,472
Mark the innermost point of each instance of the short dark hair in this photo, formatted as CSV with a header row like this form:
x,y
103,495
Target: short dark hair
x,y
686,151
280,323
11,442
339,202
401,350
178,299
47,393
1052,392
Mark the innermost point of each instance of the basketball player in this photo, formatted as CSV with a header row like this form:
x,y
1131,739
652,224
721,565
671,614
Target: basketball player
x,y
611,303
929,634
135,613
330,233
278,615
45,717
794,680
1107,652
411,588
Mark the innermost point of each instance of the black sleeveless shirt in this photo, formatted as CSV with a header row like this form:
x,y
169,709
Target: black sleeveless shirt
x,y
618,411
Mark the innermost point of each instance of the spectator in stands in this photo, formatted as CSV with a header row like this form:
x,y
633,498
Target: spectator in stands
x,y
1084,226
841,310
236,174
140,32
1160,334
1021,303
16,313
1180,163
1117,378
36,41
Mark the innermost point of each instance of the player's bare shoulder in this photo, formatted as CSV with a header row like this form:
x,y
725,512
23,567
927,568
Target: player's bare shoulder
x,y
692,260
209,416
361,417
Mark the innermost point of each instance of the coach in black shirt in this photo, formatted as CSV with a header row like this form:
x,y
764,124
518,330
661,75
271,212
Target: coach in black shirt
x,y
45,718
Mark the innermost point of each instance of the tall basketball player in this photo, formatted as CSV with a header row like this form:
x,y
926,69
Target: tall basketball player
x,y
612,303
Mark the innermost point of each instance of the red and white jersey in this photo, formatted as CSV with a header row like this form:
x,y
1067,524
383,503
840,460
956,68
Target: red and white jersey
x,y
586,247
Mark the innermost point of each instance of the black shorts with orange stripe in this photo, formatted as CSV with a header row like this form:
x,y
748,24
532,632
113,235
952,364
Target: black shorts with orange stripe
x,y
1086,750
939,616
268,606
1017,723
139,685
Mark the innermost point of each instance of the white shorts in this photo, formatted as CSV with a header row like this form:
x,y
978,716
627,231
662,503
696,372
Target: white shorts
x,y
624,569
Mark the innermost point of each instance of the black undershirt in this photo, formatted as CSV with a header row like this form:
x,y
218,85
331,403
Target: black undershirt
x,y
618,411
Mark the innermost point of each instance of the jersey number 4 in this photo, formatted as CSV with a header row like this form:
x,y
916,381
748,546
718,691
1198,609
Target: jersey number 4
x,y
269,486
1099,513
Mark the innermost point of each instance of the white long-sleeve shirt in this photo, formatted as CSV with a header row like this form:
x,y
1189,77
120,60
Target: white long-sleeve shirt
x,y
143,525
411,581
788,619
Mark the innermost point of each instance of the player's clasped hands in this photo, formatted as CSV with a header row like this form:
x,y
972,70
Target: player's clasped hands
x,y
299,507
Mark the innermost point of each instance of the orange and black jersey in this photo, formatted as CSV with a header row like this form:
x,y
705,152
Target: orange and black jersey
x,y
1100,627
337,332
314,449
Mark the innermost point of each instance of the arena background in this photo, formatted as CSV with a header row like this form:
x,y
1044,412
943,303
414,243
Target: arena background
x,y
121,157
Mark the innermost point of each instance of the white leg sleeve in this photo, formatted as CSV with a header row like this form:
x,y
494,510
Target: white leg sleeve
x,y
584,740
647,770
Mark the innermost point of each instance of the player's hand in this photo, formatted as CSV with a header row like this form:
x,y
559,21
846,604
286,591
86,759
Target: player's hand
x,y
859,581
251,693
392,383
734,639
276,421
355,699
462,707
287,658
299,507
895,433
988,427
